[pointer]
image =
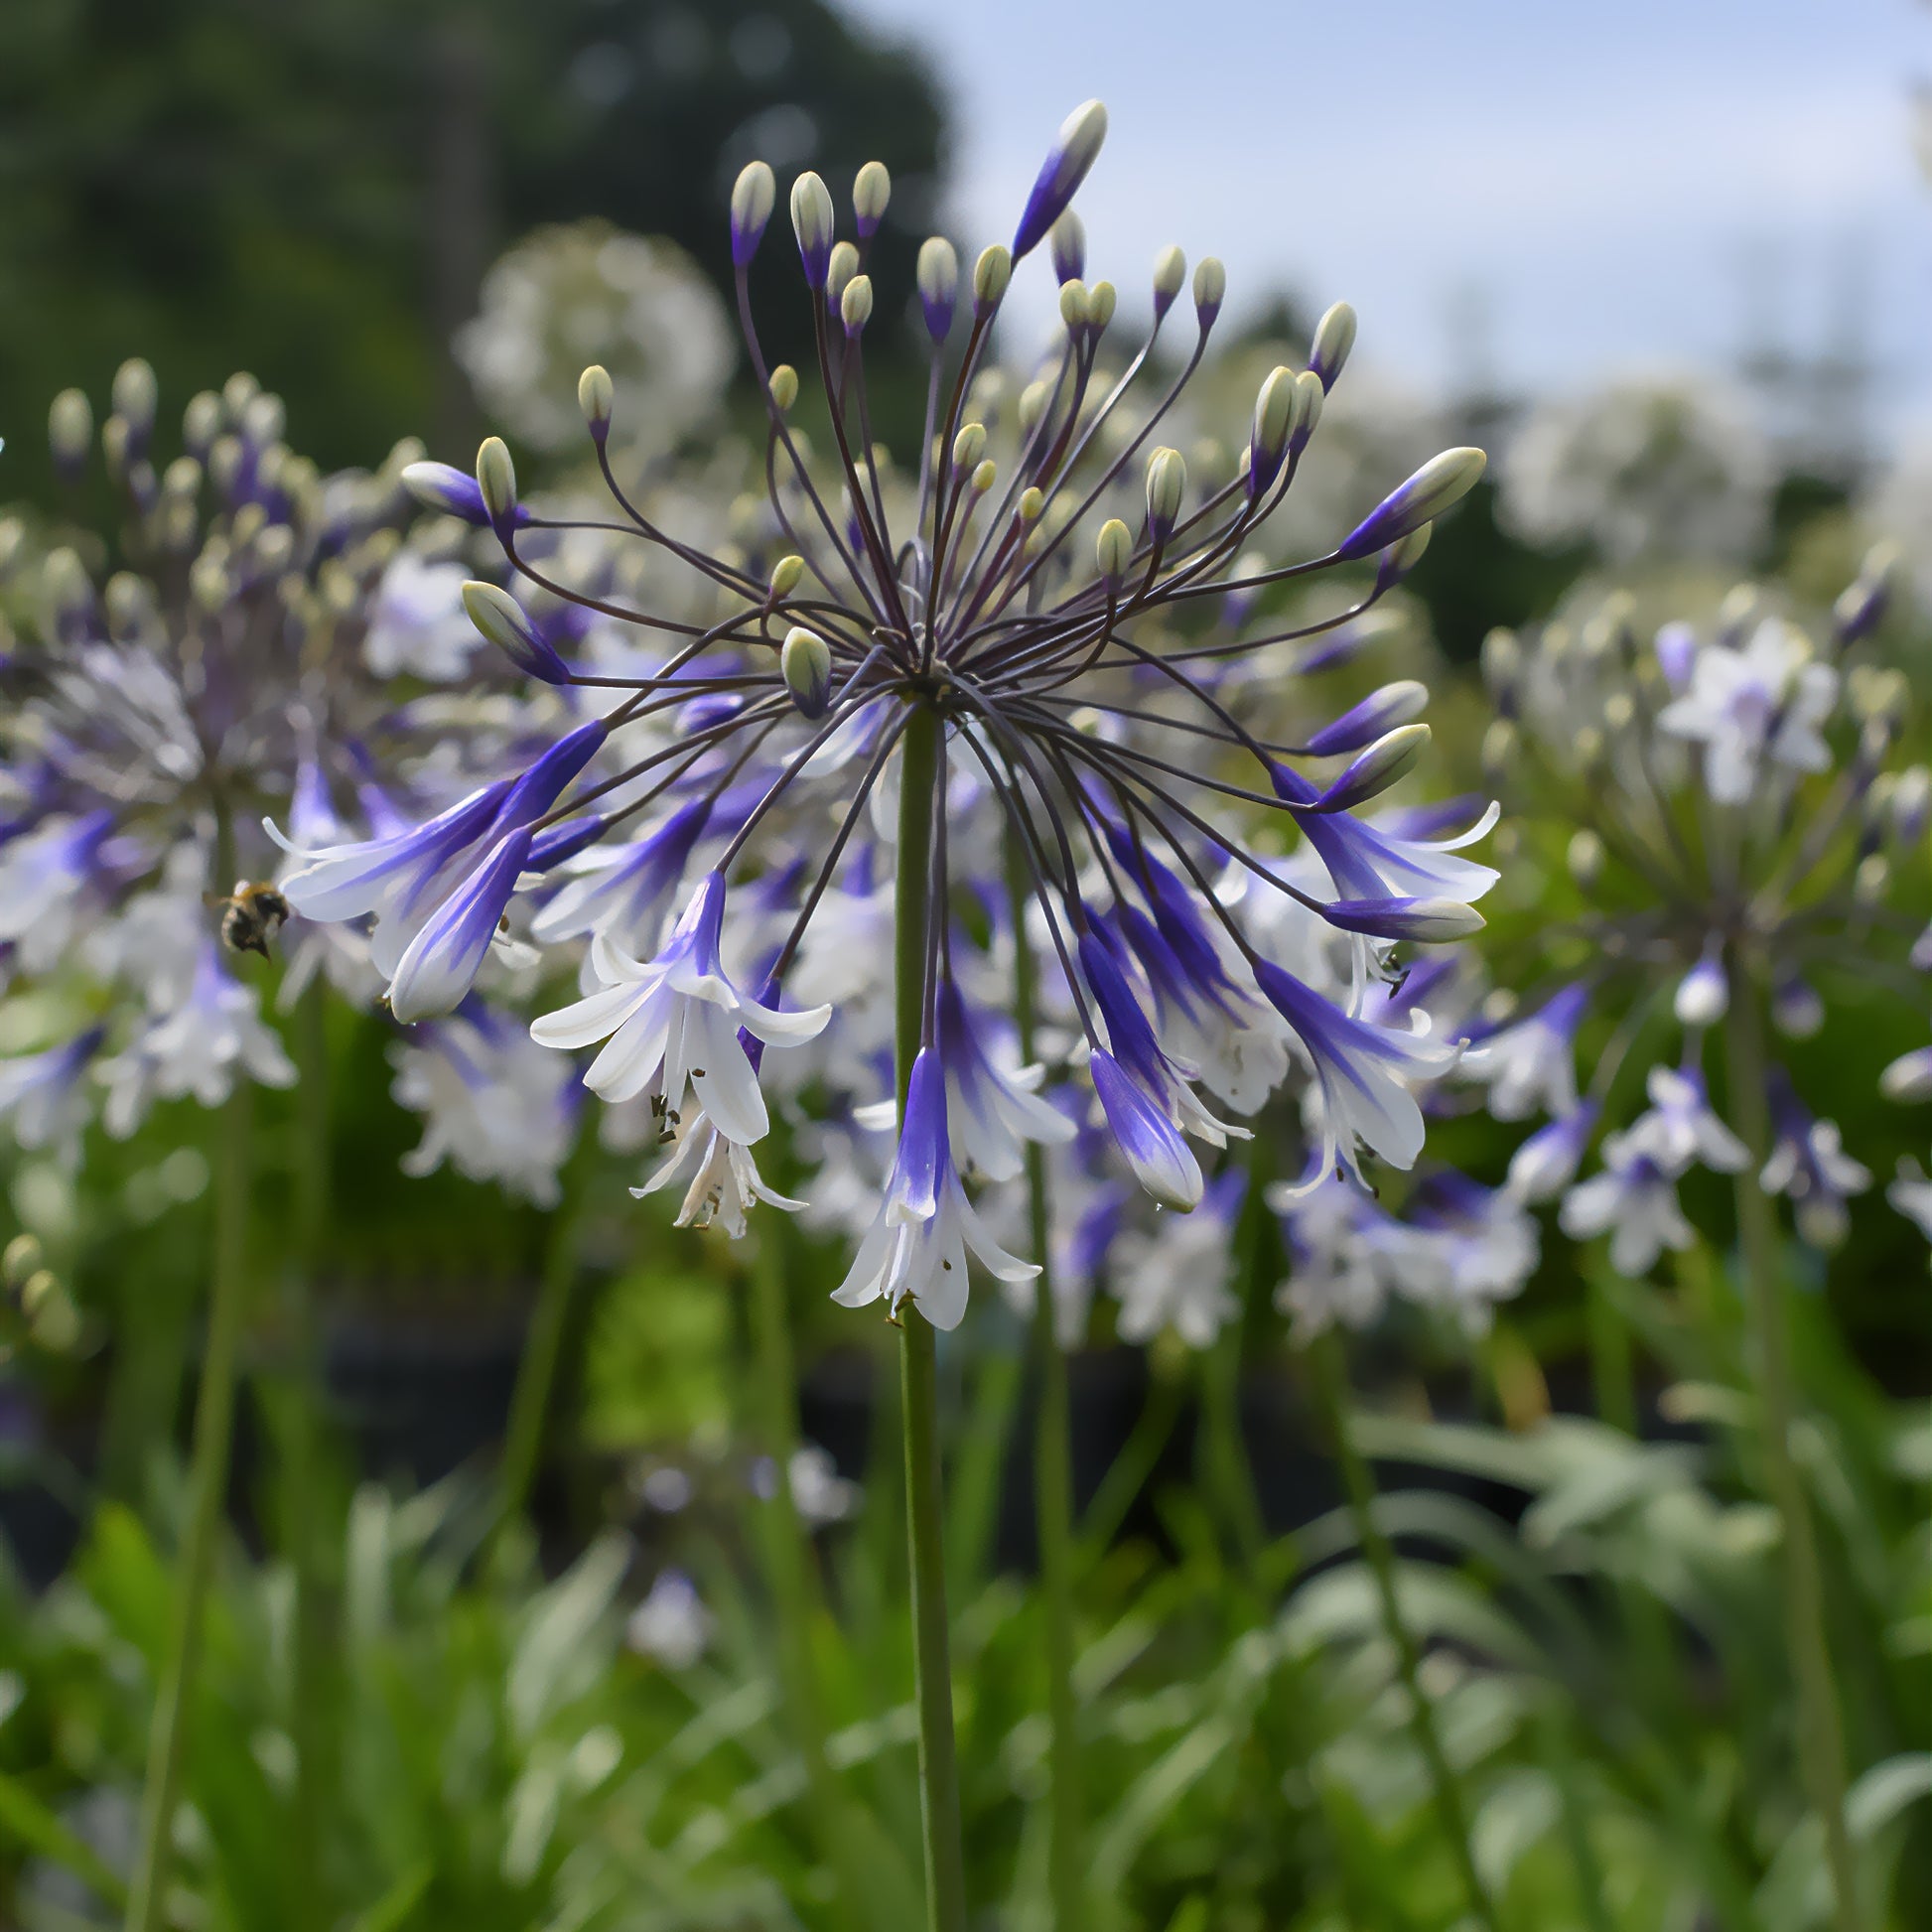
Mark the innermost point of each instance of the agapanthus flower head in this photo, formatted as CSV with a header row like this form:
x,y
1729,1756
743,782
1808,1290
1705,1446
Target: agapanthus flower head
x,y
1028,618
1735,802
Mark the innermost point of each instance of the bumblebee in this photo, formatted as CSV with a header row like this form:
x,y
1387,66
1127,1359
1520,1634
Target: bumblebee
x,y
251,915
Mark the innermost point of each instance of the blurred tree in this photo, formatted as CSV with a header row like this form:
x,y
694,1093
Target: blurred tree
x,y
314,192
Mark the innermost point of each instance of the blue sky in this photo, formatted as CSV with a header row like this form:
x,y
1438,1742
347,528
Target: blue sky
x,y
1601,183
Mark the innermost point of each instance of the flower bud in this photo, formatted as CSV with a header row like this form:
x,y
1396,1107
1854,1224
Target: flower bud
x,y
938,286
968,447
595,396
134,395
1381,711
785,579
20,1260
784,389
115,438
755,195
984,475
505,622
1377,768
1584,858
1308,394
67,594
1440,481
442,488
1170,272
871,188
1796,1009
1335,336
1061,174
806,664
1399,559
840,269
1703,996
1032,501
201,423
497,479
855,305
1113,550
70,432
1908,1080
1268,439
991,274
1872,879
1073,306
1911,804
1502,666
812,223
1166,482
1033,399
1861,606
1210,291
1676,646
1101,299
1431,921
1068,243
1501,743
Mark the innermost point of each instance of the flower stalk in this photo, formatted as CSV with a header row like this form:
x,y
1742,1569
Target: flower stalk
x,y
1821,1747
920,753
1452,1811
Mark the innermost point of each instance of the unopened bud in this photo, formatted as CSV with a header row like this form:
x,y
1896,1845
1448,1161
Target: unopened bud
x,y
134,397
1308,394
508,625
1796,1009
1102,297
1068,244
1500,746
1442,481
1911,804
984,475
1335,336
1399,559
1210,291
871,189
785,575
1907,1080
938,286
840,269
806,664
596,395
855,305
20,1260
968,447
201,423
1377,768
991,274
1861,606
1032,501
1064,169
70,432
1381,711
1033,404
1268,440
497,479
114,444
1073,306
1167,484
755,195
812,223
1113,549
1703,996
1872,879
1584,858
1170,272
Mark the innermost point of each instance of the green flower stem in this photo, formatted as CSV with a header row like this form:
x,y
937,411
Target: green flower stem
x,y
1331,1377
308,1690
207,1495
945,1865
536,1372
1821,1748
1053,1479
788,1566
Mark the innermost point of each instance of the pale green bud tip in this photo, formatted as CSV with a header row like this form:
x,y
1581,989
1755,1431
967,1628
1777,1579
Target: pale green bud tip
x,y
855,305
984,475
1032,503
754,195
871,189
1113,549
1170,272
805,662
1068,244
497,479
1167,481
135,393
968,447
1074,304
991,274
1101,299
1442,481
1335,336
784,387
595,396
938,284
1210,289
812,223
785,575
71,428
1275,412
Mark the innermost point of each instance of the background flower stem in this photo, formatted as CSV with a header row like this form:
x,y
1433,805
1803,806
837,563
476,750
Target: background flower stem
x,y
207,1495
945,1865
1331,1378
1052,1476
1820,1734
